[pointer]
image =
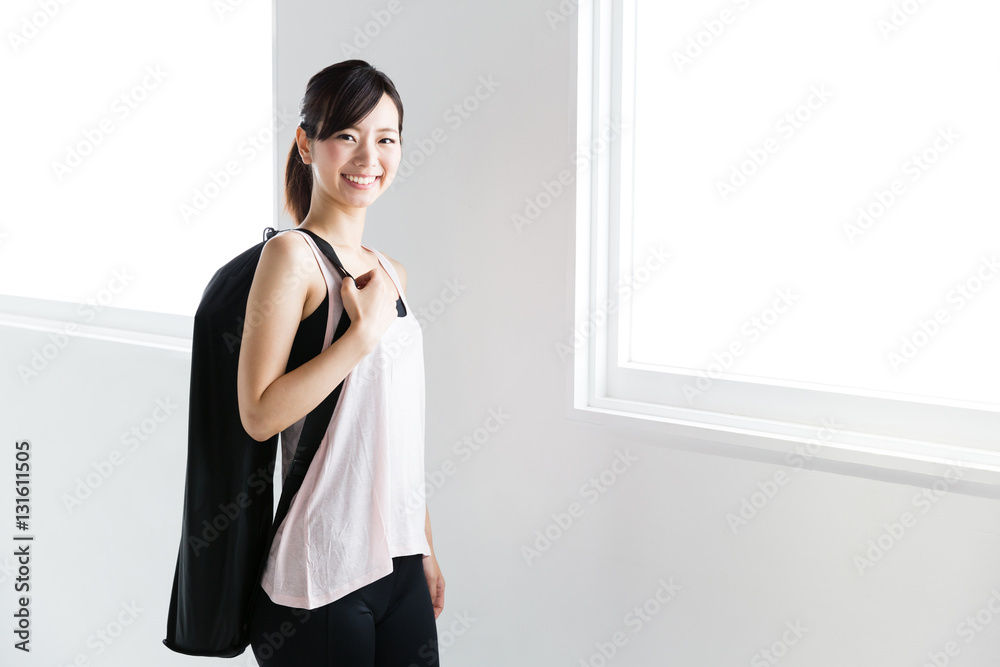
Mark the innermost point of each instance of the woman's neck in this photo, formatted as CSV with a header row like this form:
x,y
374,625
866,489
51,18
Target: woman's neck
x,y
341,229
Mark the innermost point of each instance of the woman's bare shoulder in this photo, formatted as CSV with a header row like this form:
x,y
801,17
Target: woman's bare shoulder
x,y
287,246
285,258
400,270
287,253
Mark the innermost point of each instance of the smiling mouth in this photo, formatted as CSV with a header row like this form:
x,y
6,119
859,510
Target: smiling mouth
x,y
361,180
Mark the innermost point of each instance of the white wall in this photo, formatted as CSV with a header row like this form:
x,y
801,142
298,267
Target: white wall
x,y
493,348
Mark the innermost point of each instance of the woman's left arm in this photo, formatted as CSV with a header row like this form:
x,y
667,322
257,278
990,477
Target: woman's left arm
x,y
435,582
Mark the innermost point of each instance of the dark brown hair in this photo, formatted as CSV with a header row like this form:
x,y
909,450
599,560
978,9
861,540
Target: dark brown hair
x,y
336,97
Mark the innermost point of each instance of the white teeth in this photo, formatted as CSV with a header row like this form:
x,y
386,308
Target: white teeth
x,y
361,180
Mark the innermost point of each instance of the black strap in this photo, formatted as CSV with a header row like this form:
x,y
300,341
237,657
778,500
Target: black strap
x,y
329,252
322,243
313,429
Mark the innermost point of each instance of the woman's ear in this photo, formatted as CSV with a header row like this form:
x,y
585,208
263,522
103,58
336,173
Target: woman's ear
x,y
303,143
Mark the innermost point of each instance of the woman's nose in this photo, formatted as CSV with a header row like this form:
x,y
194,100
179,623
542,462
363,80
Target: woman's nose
x,y
366,154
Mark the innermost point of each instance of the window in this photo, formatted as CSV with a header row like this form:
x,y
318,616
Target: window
x,y
786,227
140,154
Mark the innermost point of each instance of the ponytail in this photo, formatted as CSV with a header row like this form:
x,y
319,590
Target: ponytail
x,y
298,185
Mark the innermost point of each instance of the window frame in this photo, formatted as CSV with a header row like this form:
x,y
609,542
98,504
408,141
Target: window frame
x,y
892,432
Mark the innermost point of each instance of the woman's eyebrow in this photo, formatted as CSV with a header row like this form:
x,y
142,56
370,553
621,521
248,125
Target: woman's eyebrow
x,y
381,129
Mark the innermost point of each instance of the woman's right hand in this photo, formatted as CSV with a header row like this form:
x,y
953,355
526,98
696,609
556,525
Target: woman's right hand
x,y
370,302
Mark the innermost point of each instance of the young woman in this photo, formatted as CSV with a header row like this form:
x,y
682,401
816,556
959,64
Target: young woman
x,y
351,578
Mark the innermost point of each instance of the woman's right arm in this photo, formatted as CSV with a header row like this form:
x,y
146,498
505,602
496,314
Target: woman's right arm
x,y
269,399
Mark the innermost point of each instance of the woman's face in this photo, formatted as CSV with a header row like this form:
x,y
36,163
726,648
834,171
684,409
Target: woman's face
x,y
371,149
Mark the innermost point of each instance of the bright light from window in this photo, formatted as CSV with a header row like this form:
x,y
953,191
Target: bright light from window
x,y
138,150
823,178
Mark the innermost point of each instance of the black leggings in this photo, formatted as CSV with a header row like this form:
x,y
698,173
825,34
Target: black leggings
x,y
388,623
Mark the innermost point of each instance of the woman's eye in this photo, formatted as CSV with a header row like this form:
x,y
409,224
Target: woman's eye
x,y
350,136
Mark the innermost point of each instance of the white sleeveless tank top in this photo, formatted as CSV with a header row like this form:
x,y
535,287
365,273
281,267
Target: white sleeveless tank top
x,y
362,500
